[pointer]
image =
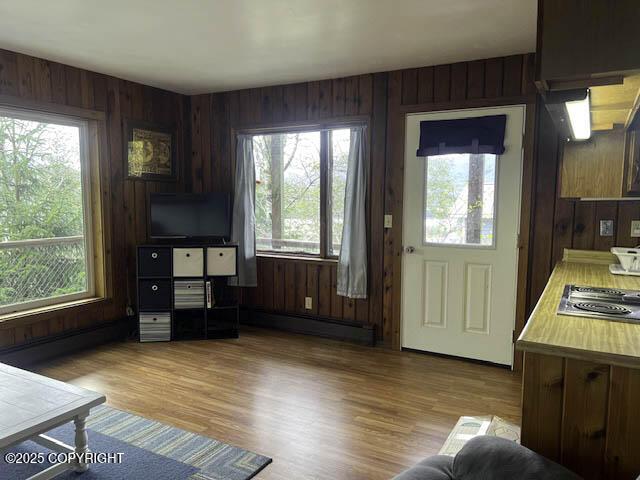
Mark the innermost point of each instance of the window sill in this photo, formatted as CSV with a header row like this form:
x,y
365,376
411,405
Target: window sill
x,y
9,319
298,258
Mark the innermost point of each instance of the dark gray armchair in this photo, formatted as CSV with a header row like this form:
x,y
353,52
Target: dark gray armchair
x,y
489,458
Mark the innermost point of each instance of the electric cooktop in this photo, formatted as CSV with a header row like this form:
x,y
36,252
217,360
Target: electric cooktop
x,y
609,303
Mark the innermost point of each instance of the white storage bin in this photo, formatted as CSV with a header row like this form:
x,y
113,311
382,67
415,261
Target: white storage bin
x,y
221,261
188,262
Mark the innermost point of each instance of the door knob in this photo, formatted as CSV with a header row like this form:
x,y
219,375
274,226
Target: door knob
x,y
410,249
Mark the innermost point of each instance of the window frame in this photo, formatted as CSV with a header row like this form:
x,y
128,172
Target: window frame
x,y
324,128
83,126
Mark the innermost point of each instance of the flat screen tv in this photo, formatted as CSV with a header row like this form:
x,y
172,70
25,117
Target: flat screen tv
x,y
183,215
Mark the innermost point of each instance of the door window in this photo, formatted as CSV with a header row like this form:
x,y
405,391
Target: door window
x,y
459,200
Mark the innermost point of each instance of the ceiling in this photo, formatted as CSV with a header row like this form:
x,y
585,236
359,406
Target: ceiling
x,y
199,46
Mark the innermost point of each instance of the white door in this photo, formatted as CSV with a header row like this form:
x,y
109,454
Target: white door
x,y
460,233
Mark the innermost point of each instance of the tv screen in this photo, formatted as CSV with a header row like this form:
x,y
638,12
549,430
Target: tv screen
x,y
180,215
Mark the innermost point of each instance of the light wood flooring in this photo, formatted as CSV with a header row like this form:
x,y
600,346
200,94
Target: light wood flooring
x,y
322,409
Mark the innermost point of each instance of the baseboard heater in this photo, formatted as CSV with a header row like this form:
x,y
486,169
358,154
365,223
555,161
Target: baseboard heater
x,y
356,332
46,348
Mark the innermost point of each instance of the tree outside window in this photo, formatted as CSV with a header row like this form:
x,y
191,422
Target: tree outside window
x,y
300,184
43,251
459,199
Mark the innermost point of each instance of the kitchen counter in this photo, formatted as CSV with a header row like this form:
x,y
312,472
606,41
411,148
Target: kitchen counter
x,y
591,339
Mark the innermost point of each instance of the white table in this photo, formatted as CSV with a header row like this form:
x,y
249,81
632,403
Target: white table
x,y
31,405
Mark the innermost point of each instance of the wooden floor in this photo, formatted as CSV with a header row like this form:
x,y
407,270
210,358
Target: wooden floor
x,y
322,409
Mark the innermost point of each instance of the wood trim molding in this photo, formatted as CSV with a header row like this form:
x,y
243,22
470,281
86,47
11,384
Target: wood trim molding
x,y
298,258
27,317
466,104
275,127
55,108
626,361
526,214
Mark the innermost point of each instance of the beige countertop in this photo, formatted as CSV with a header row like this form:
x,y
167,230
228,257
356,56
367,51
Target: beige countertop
x,y
593,339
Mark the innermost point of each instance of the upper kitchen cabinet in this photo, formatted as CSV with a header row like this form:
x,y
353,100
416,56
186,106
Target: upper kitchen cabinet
x,y
583,43
588,73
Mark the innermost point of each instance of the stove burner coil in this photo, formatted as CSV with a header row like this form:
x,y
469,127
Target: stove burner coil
x,y
604,308
604,291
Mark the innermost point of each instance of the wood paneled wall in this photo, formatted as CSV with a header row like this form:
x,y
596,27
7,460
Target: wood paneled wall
x,y
384,98
559,223
51,84
206,123
284,282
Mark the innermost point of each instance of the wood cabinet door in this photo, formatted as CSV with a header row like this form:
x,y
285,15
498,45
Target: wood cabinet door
x,y
632,164
580,39
594,168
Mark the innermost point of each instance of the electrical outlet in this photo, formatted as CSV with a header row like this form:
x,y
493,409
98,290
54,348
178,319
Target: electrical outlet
x,y
388,221
308,303
635,228
606,228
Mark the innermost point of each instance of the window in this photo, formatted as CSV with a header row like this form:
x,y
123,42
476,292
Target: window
x,y
460,199
338,163
45,234
296,172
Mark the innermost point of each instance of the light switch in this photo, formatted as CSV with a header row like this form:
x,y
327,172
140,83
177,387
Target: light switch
x,y
388,221
308,303
606,228
635,228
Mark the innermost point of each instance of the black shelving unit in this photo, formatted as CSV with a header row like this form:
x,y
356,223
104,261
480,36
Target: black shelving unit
x,y
183,292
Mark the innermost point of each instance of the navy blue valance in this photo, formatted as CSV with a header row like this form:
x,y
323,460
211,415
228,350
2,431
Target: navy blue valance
x,y
464,135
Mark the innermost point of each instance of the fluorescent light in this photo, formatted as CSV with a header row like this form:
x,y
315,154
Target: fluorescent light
x,y
580,118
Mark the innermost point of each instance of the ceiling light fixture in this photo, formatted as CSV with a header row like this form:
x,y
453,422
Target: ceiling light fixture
x,y
580,117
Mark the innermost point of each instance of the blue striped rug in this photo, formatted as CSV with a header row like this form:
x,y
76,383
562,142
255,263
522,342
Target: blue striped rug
x,y
150,450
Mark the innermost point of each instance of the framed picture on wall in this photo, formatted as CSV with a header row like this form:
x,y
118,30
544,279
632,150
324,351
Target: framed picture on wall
x,y
150,150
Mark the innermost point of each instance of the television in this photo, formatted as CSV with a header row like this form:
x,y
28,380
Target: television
x,y
185,215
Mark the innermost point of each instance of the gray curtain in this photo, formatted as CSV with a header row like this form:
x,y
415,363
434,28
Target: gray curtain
x,y
352,262
243,232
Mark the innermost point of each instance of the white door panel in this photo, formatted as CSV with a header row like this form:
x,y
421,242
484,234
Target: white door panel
x,y
459,284
435,285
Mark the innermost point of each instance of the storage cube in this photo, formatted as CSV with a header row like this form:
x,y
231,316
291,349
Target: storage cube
x,y
155,327
154,261
188,294
188,262
154,294
221,261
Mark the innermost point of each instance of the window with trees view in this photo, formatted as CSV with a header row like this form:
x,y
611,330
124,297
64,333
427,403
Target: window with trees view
x,y
300,185
459,206
44,226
